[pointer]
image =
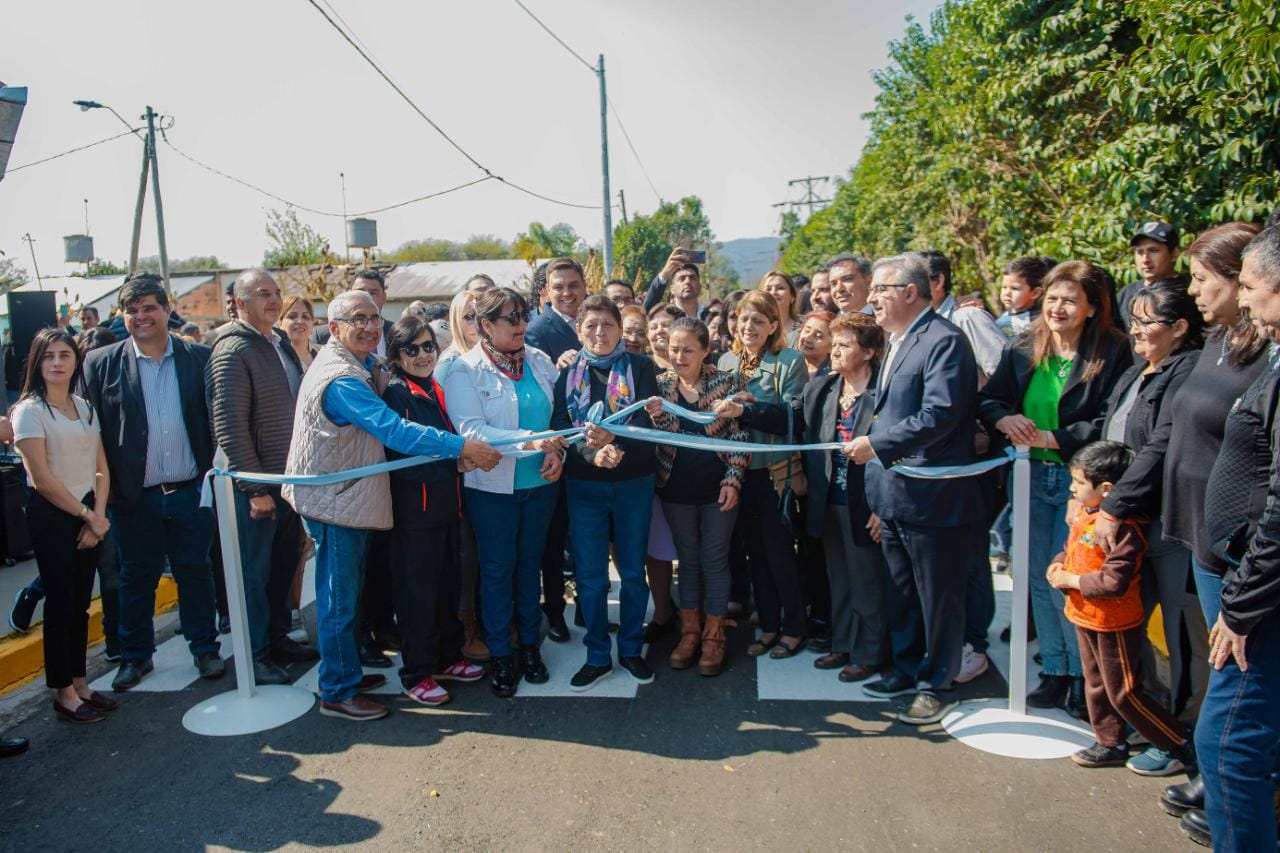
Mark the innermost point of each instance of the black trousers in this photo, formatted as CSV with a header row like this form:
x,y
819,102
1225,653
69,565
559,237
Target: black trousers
x,y
813,565
377,604
286,547
66,572
771,555
553,556
425,577
928,569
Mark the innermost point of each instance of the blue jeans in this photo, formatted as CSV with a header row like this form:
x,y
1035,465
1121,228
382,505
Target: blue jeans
x,y
1236,739
511,531
339,576
1050,491
156,527
592,506
1208,590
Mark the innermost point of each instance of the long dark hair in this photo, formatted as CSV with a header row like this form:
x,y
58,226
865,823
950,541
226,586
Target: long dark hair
x,y
405,331
33,385
1219,249
1097,329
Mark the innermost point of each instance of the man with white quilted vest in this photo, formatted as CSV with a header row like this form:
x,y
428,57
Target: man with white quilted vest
x,y
341,423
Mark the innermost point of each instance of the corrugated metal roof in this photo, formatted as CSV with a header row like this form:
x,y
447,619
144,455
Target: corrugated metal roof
x,y
442,279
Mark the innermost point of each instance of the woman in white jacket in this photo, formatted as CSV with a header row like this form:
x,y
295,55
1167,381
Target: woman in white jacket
x,y
501,389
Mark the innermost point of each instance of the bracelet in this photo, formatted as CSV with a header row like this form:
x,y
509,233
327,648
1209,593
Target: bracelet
x,y
84,512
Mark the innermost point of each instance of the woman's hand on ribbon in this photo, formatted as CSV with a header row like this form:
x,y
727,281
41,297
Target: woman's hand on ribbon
x,y
653,407
729,408
598,437
546,445
552,466
608,456
728,498
860,450
478,454
1019,429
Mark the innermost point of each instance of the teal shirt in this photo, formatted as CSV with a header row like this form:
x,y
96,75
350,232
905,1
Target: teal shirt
x,y
779,379
1040,403
535,415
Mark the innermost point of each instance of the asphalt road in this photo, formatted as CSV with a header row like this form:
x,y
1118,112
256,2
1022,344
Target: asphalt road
x,y
690,764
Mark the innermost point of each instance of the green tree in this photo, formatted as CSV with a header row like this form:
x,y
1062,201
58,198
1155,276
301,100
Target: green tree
x,y
151,263
483,247
100,267
642,246
541,243
477,247
11,275
1050,127
292,241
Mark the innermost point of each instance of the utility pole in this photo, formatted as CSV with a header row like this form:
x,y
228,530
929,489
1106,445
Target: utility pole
x,y
31,244
604,163
622,200
155,189
346,238
142,201
810,199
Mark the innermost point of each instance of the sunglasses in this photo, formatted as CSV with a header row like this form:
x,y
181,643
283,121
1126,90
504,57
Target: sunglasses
x,y
412,350
515,318
470,318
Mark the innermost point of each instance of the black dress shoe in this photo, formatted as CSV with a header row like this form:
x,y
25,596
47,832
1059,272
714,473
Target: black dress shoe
x,y
1051,692
131,672
13,746
532,667
83,713
1076,705
1195,826
557,630
1177,800
24,608
285,650
503,680
637,667
211,665
371,655
893,684
266,672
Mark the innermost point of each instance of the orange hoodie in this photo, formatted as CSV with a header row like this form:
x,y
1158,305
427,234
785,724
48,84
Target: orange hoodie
x,y
1108,599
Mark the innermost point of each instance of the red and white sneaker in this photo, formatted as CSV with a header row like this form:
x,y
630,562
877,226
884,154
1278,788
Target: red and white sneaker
x,y
463,670
428,692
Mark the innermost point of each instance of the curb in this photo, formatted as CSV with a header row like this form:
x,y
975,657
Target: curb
x,y
22,656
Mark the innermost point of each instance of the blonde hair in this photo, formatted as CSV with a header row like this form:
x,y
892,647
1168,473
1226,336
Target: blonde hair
x,y
458,307
793,310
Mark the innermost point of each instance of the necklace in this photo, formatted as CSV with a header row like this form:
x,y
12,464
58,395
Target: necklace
x,y
1063,366
848,396
1223,355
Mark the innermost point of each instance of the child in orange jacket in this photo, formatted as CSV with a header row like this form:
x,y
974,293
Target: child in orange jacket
x,y
1104,604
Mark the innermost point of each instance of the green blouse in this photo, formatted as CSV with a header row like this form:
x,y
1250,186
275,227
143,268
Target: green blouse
x,y
1040,403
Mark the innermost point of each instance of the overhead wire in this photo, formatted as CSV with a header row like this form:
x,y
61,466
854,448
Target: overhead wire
x,y
613,110
351,40
71,151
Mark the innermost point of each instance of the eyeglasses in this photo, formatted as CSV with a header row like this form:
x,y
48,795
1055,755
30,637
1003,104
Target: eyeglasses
x,y
515,318
882,289
1149,321
412,350
361,320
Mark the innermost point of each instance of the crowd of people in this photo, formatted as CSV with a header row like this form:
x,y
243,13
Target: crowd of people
x,y
1150,414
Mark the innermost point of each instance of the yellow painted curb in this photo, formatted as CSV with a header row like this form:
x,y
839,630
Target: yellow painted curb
x,y
22,657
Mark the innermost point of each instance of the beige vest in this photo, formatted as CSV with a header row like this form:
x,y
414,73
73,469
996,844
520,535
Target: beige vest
x,y
320,446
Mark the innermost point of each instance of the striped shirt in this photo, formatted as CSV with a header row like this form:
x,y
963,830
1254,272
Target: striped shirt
x,y
169,456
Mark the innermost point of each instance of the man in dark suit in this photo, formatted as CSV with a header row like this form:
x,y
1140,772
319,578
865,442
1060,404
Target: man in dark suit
x,y
925,415
148,391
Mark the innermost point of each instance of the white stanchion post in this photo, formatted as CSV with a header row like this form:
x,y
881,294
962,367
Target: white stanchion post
x,y
1021,506
248,708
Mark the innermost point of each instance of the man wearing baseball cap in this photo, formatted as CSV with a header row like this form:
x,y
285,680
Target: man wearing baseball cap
x,y
1155,250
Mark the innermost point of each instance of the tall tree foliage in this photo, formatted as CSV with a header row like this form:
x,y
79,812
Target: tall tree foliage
x,y
1055,126
643,244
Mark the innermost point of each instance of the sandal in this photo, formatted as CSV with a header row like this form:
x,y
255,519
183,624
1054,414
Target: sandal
x,y
761,645
784,651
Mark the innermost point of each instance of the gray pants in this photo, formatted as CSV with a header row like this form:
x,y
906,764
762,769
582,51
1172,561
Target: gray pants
x,y
857,575
702,533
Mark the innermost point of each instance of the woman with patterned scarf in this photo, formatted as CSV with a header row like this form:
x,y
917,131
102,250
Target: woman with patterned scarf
x,y
699,491
609,483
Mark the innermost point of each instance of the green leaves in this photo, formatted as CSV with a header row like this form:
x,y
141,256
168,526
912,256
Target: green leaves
x,y
1055,126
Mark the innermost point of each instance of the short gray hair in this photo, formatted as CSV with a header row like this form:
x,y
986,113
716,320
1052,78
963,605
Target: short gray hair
x,y
344,302
863,265
912,268
1264,248
417,308
243,287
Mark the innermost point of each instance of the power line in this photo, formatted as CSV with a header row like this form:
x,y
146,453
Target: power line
x,y
72,151
613,110
561,41
303,207
349,38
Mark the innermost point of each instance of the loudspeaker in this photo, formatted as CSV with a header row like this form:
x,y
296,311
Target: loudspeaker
x,y
28,314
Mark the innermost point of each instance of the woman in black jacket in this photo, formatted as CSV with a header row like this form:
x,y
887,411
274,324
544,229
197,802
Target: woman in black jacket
x,y
426,501
1168,331
1047,392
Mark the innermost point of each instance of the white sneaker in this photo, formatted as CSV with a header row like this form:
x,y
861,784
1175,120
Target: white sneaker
x,y
972,664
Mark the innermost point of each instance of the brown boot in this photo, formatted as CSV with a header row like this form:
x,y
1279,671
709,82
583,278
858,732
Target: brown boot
x,y
690,631
712,661
473,648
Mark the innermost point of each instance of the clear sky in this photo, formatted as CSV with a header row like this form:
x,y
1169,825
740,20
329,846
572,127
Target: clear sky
x,y
724,99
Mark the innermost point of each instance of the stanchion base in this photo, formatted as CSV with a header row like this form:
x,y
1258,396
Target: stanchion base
x,y
231,714
987,724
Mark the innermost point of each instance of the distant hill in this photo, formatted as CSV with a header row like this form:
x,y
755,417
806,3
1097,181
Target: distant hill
x,y
752,257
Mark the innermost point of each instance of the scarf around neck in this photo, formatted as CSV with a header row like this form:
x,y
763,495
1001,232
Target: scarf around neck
x,y
510,364
618,388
